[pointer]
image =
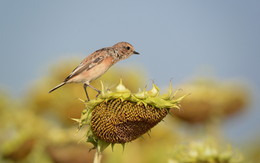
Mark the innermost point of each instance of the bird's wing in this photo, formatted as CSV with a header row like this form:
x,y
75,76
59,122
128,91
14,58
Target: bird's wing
x,y
89,62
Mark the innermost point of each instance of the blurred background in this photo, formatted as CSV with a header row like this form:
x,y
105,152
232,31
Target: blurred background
x,y
210,49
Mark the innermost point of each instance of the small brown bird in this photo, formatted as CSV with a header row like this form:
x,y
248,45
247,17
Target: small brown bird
x,y
96,64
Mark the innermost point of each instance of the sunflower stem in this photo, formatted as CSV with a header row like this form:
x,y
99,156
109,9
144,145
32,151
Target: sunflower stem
x,y
98,156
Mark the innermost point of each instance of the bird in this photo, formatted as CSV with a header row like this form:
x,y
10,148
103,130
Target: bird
x,y
96,64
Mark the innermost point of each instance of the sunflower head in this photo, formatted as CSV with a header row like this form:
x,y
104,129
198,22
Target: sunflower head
x,y
212,99
207,151
120,116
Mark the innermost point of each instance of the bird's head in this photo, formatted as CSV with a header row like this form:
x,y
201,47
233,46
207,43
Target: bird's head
x,y
124,50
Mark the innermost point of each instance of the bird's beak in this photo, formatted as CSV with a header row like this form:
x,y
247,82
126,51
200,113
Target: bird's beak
x,y
135,52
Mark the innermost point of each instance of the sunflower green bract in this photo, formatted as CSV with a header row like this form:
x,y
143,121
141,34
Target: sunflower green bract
x,y
120,116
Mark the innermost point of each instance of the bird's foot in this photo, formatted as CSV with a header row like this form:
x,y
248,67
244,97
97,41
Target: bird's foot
x,y
99,92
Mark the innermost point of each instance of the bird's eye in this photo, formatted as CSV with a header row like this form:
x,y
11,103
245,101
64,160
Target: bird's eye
x,y
128,47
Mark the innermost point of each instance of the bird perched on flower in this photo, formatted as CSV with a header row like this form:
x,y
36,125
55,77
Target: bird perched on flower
x,y
96,64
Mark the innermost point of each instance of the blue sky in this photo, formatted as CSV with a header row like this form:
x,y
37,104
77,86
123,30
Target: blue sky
x,y
176,39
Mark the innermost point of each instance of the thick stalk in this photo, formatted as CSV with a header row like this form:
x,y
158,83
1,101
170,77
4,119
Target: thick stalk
x,y
98,156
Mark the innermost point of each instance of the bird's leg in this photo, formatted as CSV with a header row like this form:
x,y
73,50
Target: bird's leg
x,y
85,88
98,91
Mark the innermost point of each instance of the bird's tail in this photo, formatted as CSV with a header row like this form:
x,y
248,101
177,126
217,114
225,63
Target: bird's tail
x,y
58,86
